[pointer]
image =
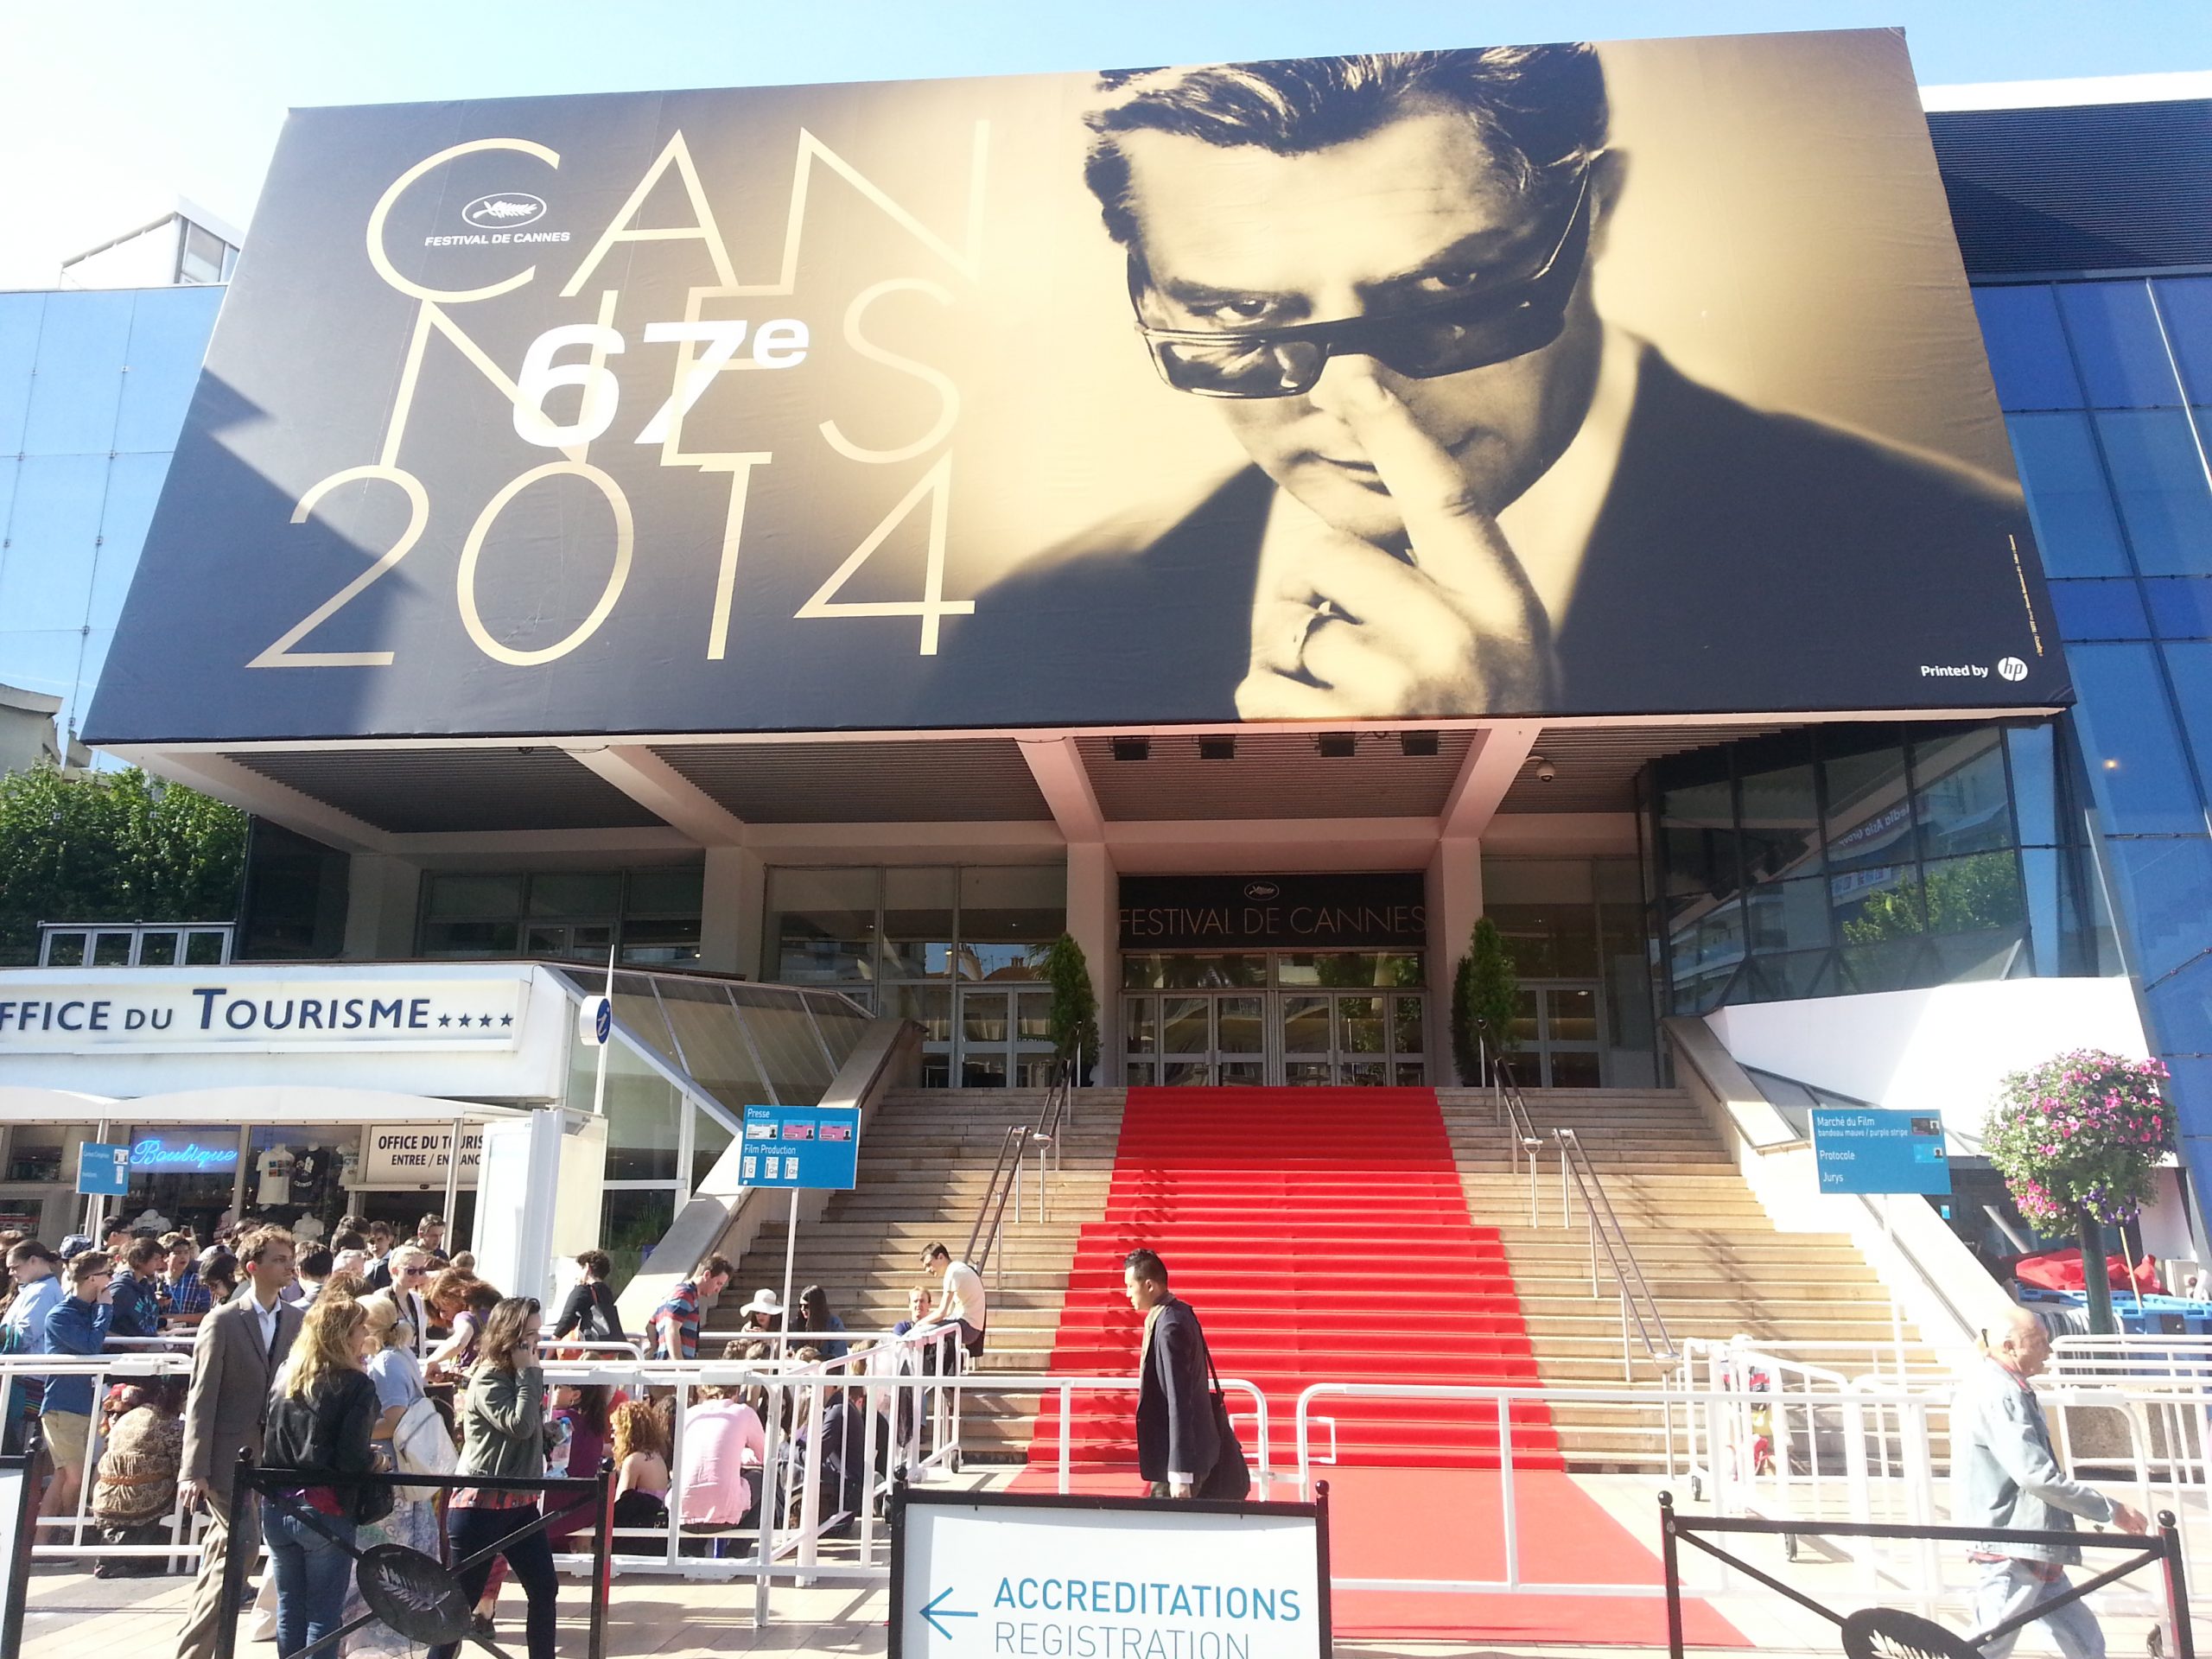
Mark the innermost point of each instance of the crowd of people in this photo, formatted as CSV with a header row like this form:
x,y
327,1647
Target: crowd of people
x,y
370,1353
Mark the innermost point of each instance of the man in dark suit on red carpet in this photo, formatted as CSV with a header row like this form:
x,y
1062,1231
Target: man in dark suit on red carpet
x,y
1176,1446
1470,493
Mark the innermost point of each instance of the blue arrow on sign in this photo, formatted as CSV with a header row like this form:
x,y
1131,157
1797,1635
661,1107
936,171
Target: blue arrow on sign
x,y
937,1610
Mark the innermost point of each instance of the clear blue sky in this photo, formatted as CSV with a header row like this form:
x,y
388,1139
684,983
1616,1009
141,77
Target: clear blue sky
x,y
104,106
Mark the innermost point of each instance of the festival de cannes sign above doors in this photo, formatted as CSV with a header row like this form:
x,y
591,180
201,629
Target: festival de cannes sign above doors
x,y
1630,379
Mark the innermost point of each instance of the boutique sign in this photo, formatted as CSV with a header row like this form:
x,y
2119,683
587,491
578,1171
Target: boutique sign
x,y
181,1152
174,1013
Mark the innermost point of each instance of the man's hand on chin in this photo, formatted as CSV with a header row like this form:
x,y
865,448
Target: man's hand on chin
x,y
1451,628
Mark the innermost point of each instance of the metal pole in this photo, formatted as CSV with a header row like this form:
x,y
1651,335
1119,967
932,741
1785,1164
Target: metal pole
x,y
1507,1508
602,1563
2177,1586
764,1551
599,1081
791,1259
1896,1313
1672,1566
452,1186
234,1555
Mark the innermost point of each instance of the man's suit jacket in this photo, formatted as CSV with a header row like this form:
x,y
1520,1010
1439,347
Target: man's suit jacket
x,y
232,1374
1743,560
1175,1426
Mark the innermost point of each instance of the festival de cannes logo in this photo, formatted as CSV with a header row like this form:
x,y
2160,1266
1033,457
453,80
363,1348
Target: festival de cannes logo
x,y
1260,892
504,211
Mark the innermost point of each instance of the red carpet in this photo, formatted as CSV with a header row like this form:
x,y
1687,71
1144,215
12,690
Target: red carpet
x,y
1414,1523
1322,1235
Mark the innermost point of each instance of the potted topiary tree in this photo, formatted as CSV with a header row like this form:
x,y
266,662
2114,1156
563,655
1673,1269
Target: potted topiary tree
x,y
1074,1014
2075,1140
1485,996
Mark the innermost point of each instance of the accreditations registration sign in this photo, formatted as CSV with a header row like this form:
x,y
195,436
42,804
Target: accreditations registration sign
x,y
976,1574
73,1013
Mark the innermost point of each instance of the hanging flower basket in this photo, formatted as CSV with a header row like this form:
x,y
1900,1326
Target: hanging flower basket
x,y
2082,1131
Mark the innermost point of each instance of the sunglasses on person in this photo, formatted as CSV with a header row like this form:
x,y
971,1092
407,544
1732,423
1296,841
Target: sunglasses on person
x,y
1494,324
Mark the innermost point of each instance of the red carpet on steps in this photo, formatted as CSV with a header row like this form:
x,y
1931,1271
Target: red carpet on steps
x,y
1441,1523
1322,1235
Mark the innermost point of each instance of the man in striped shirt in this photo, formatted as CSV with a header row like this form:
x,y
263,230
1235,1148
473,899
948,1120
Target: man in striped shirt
x,y
676,1321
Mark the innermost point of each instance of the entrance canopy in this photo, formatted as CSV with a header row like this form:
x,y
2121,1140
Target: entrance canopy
x,y
273,1106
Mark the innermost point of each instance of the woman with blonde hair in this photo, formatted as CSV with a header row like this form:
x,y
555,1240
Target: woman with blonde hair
x,y
387,1346
641,1478
503,1435
323,1413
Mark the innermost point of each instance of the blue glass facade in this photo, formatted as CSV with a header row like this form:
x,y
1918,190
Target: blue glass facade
x,y
93,386
2107,387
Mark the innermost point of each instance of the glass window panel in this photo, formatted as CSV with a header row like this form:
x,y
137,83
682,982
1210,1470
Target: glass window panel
x,y
1407,1024
2108,609
1138,1074
917,922
2136,767
45,571
111,950
469,938
641,1114
202,949
1572,1014
1306,1025
1366,1074
1570,1070
200,259
65,950
1191,971
928,1006
1308,1073
1893,965
821,925
1240,1028
1002,961
1032,1012
1139,1024
713,1046
1781,822
1526,1031
2181,1010
798,1069
456,898
984,1017
1960,793
169,329
1878,904
2118,344
630,1224
660,943
1242,1074
2186,303
1143,973
2035,801
20,314
2164,499
2190,664
2027,353
575,893
1360,1029
83,344
2040,878
1410,1074
1789,915
842,1024
2077,528
1869,820
2165,885
1191,1074
1184,1027
983,1070
2181,606
677,892
1791,974
134,484
1978,893
157,950
1537,880
1022,903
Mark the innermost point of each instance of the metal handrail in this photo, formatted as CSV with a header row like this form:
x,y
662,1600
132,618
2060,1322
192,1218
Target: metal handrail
x,y
1512,1107
1056,1112
1606,1231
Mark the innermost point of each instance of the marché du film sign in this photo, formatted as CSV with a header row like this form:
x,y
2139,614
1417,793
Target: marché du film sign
x,y
1096,398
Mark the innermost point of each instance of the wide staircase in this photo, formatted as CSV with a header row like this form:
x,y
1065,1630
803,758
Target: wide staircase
x,y
1322,1237
925,1164
1716,1265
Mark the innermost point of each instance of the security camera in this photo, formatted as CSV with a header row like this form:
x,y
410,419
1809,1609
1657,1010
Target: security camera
x,y
1545,770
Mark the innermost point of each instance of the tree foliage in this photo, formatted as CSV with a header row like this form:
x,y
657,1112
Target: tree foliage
x,y
1959,895
112,847
2081,1132
1485,999
1074,1014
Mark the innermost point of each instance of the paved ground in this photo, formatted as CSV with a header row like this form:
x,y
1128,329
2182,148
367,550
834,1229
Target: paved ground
x,y
73,1615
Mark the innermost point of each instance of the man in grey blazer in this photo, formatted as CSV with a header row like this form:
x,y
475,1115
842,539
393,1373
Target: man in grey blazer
x,y
235,1359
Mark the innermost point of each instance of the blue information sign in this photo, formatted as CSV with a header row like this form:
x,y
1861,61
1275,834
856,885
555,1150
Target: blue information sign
x,y
802,1146
1866,1150
103,1171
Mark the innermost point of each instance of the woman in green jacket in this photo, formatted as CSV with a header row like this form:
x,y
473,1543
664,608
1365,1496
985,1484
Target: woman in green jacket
x,y
503,1434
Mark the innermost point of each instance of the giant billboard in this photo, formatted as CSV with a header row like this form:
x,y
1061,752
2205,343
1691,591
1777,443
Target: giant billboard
x,y
1621,379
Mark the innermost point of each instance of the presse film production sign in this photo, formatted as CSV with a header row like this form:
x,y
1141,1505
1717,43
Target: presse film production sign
x,y
1866,1149
1015,401
974,1575
801,1147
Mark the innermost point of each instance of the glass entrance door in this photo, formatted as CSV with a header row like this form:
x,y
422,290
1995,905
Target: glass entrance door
x,y
1557,1034
1368,1038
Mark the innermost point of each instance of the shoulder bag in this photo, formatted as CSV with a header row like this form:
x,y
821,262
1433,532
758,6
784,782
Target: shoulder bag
x,y
421,1445
1231,1478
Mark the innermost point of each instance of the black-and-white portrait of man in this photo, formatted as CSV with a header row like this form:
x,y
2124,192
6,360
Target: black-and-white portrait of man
x,y
1468,493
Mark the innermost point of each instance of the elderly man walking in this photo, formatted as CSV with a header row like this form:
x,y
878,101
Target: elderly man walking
x,y
2008,1478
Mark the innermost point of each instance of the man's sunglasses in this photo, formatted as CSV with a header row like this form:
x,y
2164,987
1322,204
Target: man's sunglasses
x,y
1492,325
